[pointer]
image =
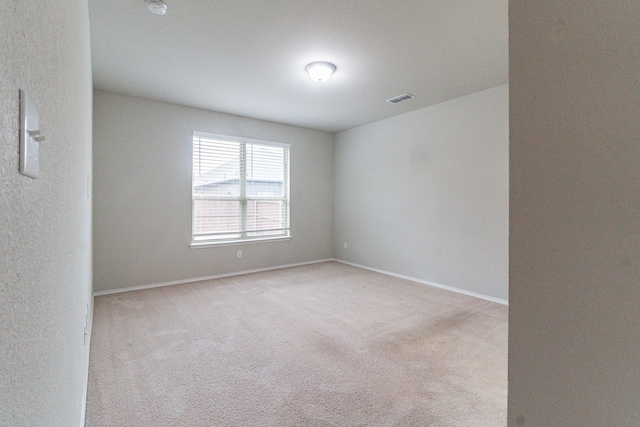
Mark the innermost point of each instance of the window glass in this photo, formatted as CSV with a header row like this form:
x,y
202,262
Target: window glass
x,y
240,189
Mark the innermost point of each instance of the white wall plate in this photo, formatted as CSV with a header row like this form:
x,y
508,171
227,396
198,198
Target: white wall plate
x,y
30,137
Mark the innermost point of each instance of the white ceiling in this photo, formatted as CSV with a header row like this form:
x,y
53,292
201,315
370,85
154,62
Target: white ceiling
x,y
247,57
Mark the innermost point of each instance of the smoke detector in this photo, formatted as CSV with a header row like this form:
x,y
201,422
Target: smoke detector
x,y
157,6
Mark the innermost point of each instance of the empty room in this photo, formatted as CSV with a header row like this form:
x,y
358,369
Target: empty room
x,y
295,213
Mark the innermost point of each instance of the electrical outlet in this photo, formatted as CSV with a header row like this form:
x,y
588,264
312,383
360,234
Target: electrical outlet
x,y
239,253
345,245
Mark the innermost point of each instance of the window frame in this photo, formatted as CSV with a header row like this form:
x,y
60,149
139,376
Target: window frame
x,y
242,197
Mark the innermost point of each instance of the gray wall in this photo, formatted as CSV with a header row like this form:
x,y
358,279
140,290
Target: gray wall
x,y
45,224
142,194
425,194
574,326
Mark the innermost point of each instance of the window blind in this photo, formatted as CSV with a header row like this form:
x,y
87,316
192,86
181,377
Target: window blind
x,y
240,189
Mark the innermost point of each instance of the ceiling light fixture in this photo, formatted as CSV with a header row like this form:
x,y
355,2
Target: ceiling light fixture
x,y
157,6
320,71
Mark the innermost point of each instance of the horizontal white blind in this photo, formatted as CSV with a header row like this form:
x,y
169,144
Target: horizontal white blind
x,y
240,189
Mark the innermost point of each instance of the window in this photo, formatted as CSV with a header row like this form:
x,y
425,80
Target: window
x,y
240,189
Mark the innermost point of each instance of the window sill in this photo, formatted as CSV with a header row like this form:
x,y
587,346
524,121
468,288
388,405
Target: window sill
x,y
202,245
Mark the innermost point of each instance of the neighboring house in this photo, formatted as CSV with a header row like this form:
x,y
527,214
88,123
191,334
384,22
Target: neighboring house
x,y
216,213
230,188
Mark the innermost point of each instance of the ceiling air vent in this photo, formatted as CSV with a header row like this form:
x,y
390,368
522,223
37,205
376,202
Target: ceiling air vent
x,y
400,98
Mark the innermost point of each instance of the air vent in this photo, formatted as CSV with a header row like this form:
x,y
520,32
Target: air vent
x,y
400,98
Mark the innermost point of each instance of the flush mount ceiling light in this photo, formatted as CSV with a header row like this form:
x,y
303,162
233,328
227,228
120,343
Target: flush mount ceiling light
x,y
320,71
157,6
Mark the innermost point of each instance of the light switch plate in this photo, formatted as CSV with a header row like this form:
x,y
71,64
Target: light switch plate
x,y
30,137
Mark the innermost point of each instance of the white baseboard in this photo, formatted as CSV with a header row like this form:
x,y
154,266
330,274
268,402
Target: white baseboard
x,y
199,279
86,362
278,267
428,283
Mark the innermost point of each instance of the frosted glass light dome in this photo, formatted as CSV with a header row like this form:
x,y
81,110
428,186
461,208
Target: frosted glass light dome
x,y
320,71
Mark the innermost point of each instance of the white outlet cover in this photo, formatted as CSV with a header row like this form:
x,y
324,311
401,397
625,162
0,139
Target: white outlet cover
x,y
29,137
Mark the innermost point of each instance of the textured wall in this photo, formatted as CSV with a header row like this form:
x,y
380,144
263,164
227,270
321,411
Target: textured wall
x,y
425,194
142,210
574,326
45,224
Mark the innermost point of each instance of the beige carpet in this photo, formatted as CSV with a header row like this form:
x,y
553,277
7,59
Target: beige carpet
x,y
319,345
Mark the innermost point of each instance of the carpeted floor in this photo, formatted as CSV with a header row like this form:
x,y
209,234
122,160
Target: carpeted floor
x,y
318,345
